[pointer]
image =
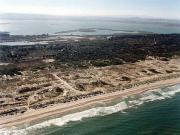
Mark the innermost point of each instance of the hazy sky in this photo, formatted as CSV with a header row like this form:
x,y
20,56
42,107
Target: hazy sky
x,y
151,8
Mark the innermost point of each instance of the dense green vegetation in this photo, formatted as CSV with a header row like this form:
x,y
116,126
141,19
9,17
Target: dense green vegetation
x,y
114,51
10,70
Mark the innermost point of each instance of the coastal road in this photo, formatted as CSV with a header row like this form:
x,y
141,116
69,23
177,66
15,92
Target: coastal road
x,y
65,84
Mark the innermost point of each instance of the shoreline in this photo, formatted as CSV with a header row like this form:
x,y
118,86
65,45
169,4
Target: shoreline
x,y
64,109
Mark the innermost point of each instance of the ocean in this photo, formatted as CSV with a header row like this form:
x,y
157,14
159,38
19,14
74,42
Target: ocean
x,y
155,112
34,25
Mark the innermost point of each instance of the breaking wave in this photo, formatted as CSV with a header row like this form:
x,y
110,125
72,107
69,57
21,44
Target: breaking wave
x,y
129,102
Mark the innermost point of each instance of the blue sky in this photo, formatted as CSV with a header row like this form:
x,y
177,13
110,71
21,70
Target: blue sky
x,y
149,8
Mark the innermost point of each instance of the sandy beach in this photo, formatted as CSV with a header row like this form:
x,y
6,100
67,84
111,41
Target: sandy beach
x,y
64,109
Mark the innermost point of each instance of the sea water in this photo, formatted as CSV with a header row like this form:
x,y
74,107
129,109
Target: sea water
x,y
155,112
35,25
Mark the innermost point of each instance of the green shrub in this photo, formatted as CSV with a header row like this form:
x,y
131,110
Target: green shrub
x,y
10,70
101,63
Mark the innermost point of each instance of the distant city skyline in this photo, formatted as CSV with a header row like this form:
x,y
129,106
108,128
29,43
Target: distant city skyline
x,y
145,8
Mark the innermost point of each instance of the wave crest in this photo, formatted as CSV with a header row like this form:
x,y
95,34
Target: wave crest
x,y
149,96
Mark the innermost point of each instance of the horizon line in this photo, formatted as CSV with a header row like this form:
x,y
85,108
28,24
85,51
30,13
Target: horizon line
x,y
105,16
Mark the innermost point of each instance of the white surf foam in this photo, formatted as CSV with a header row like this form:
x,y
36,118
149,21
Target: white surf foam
x,y
149,96
13,131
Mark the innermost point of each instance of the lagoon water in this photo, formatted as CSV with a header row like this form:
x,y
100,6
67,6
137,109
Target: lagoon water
x,y
154,112
31,25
